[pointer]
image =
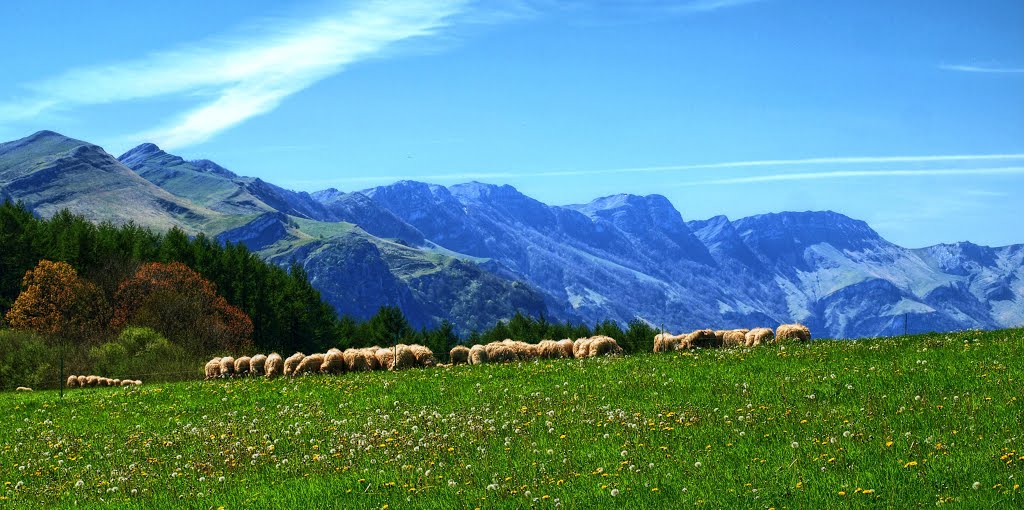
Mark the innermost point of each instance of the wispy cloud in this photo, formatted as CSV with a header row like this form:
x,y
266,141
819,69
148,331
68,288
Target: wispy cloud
x,y
846,174
986,193
980,69
236,79
782,163
710,5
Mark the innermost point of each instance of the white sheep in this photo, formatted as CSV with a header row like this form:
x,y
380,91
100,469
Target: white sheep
x,y
292,362
797,332
274,365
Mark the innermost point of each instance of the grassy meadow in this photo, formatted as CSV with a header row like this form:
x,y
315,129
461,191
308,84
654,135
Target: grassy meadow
x,y
904,422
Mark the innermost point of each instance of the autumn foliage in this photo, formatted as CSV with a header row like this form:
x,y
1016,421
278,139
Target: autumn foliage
x,y
179,303
55,301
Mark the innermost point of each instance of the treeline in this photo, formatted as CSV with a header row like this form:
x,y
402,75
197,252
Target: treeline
x,y
107,271
286,311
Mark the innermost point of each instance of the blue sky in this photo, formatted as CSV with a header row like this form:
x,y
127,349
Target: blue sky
x,y
908,115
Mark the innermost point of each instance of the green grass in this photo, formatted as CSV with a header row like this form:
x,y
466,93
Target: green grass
x,y
889,423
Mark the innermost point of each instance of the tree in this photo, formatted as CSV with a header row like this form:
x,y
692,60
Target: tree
x,y
521,327
387,326
443,338
639,337
177,302
18,249
55,301
609,328
348,332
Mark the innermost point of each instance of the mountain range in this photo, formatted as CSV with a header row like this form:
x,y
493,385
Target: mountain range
x,y
476,253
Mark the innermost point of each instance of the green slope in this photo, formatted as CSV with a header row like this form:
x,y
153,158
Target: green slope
x,y
357,273
883,423
50,172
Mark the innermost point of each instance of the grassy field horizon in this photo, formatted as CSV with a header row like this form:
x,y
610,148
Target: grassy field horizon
x,y
901,422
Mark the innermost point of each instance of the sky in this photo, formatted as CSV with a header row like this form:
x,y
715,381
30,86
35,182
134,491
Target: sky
x,y
908,115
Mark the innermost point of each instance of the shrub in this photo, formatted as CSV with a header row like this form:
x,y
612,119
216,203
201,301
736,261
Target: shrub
x,y
138,352
26,359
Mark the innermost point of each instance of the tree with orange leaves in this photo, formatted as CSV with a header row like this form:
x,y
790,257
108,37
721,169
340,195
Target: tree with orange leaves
x,y
55,301
179,303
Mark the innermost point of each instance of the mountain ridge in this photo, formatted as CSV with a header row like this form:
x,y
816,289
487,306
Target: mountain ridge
x,y
616,257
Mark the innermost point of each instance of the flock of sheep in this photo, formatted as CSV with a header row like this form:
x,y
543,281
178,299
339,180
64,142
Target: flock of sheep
x,y
707,338
336,361
402,356
91,381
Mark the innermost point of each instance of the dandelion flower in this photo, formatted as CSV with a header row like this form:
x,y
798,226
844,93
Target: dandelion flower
x,y
976,485
795,444
615,492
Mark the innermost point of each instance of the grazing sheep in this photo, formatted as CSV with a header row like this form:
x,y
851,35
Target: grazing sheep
x,y
227,366
459,355
108,381
371,354
797,332
515,347
758,336
735,338
115,382
385,358
396,358
566,345
334,362
82,381
22,388
274,365
660,343
524,351
549,349
500,352
406,358
667,342
604,346
424,356
127,382
242,365
91,381
478,355
257,365
137,382
72,381
291,362
212,368
701,338
310,364
581,348
360,360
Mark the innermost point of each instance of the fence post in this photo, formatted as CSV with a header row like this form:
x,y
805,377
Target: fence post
x,y
61,382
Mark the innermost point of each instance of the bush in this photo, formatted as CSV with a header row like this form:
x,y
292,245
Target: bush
x,y
27,360
142,353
